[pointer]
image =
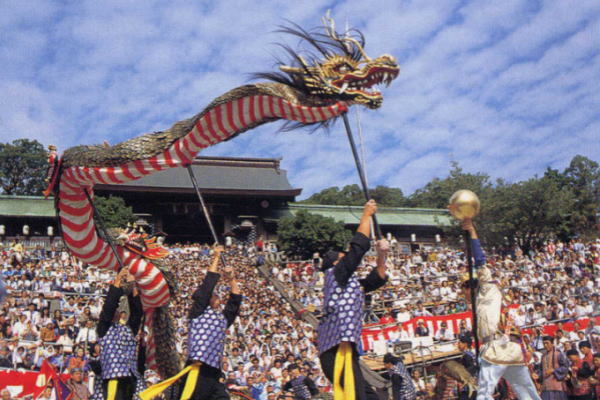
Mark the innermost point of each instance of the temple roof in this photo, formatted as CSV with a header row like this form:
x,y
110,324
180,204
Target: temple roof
x,y
218,175
26,206
385,215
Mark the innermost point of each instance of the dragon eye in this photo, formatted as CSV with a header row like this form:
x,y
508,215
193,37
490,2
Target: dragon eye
x,y
343,68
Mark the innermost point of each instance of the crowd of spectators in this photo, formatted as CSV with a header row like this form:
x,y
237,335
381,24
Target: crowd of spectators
x,y
54,303
553,283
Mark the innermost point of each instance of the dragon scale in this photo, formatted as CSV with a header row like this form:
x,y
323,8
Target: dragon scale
x,y
216,124
339,74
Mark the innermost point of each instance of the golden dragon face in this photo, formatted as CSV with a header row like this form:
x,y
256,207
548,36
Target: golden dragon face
x,y
338,69
341,78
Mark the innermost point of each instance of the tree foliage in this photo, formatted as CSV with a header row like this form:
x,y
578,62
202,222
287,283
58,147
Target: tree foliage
x,y
557,205
113,211
352,195
305,233
23,165
582,176
526,213
436,193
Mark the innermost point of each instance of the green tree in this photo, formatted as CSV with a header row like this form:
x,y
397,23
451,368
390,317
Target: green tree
x,y
583,178
352,195
303,234
526,213
23,165
436,193
387,196
113,211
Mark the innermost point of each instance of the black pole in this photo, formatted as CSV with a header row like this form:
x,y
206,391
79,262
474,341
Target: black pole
x,y
472,291
204,210
361,173
102,228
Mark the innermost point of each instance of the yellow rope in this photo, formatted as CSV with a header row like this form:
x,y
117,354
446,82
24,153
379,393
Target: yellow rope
x,y
190,383
343,364
112,389
188,389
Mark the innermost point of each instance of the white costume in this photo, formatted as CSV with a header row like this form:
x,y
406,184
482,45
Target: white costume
x,y
500,358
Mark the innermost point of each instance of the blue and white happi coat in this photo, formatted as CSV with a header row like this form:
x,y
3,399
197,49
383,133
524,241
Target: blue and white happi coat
x,y
206,338
301,391
407,390
118,355
342,313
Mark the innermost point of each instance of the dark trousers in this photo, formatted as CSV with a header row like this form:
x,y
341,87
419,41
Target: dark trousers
x,y
125,388
209,385
363,390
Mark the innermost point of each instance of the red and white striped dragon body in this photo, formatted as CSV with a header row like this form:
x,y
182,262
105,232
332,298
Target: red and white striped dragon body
x,y
302,94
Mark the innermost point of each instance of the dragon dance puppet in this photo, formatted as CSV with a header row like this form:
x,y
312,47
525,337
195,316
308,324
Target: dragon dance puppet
x,y
315,87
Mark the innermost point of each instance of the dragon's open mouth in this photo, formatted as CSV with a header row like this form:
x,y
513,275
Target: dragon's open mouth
x,y
355,85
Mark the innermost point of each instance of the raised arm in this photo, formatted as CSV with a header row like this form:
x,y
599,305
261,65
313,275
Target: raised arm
x,y
232,308
378,277
135,311
478,255
202,295
359,245
111,304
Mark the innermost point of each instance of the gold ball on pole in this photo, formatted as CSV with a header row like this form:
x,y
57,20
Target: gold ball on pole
x,y
464,204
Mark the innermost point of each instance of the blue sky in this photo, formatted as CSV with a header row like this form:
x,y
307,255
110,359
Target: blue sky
x,y
504,87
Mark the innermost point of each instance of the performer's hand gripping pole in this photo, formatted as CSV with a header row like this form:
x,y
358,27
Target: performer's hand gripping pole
x,y
204,210
361,173
469,253
465,204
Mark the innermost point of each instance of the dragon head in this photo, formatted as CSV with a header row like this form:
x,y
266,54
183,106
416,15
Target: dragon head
x,y
336,68
139,242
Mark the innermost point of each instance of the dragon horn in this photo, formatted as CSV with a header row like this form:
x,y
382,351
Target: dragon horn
x,y
305,67
330,28
287,68
358,45
329,25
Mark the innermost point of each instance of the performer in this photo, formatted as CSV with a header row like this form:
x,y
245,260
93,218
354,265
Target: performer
x,y
578,381
303,387
468,362
206,339
555,368
403,387
501,356
121,375
468,358
339,332
3,291
96,368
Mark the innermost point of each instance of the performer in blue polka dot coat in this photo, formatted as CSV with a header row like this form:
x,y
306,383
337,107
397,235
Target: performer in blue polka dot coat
x,y
344,297
207,330
119,351
302,387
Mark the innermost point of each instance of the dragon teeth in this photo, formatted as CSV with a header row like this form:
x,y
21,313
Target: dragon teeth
x,y
344,87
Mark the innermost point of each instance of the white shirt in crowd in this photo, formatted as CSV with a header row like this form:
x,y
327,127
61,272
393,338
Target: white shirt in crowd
x,y
86,335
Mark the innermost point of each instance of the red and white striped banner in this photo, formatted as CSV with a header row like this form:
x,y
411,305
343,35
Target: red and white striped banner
x,y
376,332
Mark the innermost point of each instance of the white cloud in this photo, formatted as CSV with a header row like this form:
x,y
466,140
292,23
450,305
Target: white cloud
x,y
505,87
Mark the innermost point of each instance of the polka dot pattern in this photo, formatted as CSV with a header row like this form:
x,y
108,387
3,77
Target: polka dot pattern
x,y
342,313
300,389
206,338
407,388
119,352
98,394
